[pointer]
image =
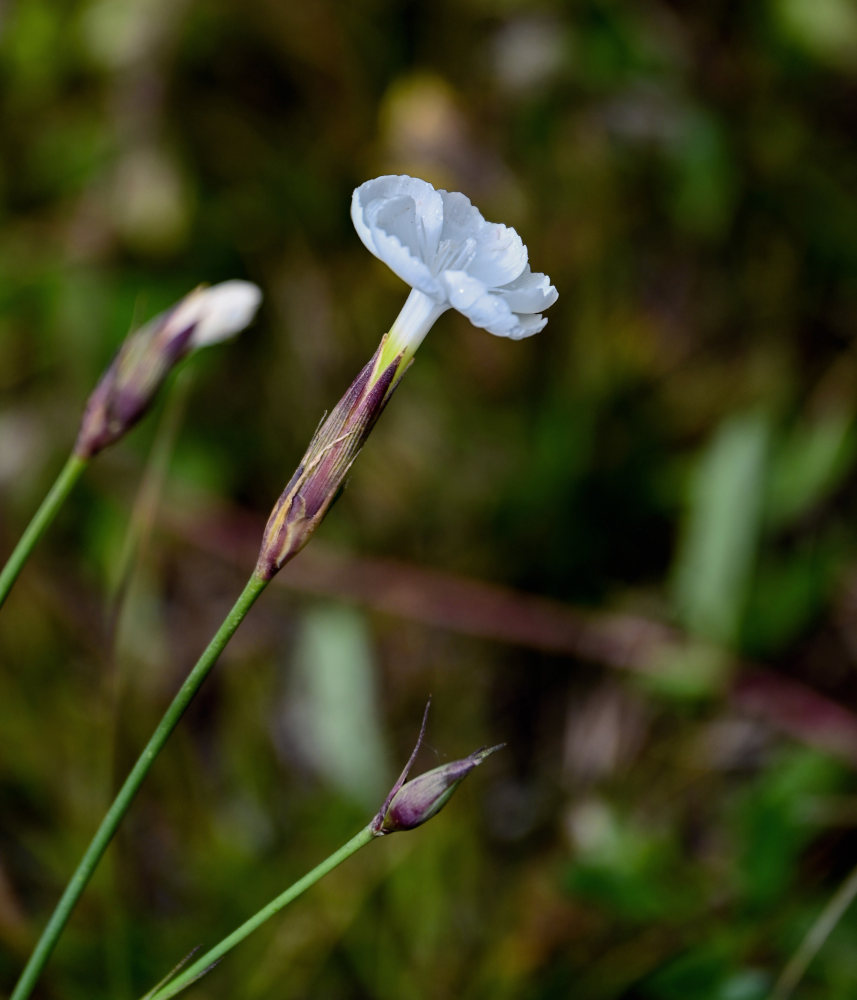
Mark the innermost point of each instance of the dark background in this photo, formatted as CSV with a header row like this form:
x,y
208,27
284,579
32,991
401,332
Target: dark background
x,y
626,546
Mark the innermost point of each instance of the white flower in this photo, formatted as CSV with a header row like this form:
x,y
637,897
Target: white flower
x,y
439,243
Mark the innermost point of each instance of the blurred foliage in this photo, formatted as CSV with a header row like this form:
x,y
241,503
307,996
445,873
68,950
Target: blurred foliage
x,y
678,445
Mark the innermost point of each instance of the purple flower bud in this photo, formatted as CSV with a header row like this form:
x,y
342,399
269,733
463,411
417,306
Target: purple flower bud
x,y
322,471
411,803
145,359
418,800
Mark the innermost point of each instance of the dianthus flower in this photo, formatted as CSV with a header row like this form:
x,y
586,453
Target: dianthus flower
x,y
439,243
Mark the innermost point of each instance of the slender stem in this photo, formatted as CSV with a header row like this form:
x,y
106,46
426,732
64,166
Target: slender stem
x,y
144,510
211,957
69,475
815,937
98,844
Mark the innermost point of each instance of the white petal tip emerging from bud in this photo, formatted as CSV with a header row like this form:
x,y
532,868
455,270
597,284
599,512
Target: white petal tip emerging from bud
x,y
218,312
125,391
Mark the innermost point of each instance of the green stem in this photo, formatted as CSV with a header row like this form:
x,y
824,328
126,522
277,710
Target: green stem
x,y
69,475
210,958
98,844
815,938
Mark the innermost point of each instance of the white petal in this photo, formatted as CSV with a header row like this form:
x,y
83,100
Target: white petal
x,y
488,308
461,219
462,289
216,313
530,292
500,254
485,310
418,200
399,219
357,210
526,326
395,217
401,261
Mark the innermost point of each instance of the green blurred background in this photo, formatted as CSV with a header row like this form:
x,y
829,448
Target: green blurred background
x,y
626,546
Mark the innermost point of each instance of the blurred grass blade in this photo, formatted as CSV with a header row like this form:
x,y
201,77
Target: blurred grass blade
x,y
807,465
333,709
718,548
815,938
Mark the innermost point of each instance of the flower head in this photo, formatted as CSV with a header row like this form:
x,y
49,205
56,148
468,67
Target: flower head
x,y
439,243
125,391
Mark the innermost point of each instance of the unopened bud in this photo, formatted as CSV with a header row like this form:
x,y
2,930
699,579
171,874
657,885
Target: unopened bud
x,y
125,391
418,800
322,471
411,803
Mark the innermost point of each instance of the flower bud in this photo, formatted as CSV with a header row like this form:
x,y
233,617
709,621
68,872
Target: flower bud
x,y
125,391
418,800
411,803
322,471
